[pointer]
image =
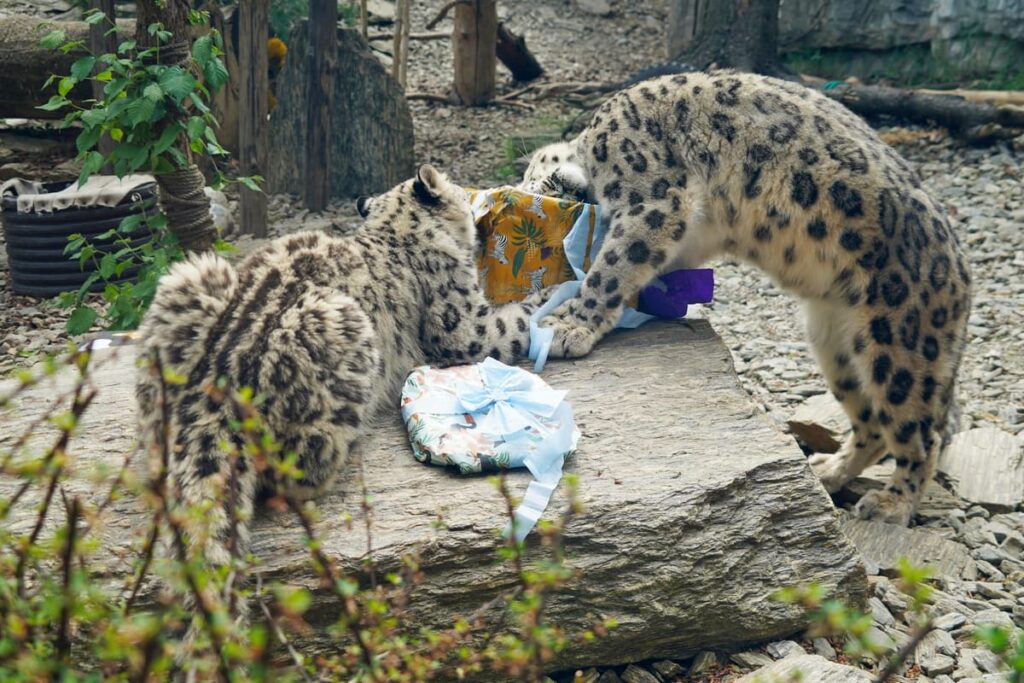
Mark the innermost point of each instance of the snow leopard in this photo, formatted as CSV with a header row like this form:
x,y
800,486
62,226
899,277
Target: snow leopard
x,y
692,166
325,329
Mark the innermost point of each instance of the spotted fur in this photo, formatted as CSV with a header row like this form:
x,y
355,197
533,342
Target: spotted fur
x,y
692,166
325,329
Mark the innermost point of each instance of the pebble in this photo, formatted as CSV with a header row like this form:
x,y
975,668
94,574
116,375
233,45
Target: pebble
x,y
824,648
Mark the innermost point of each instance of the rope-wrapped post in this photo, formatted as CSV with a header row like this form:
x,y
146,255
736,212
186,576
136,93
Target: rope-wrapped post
x,y
187,208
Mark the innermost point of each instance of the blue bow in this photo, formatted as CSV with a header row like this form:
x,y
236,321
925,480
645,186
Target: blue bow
x,y
506,407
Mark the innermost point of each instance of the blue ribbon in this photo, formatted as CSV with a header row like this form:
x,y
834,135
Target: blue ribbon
x,y
508,406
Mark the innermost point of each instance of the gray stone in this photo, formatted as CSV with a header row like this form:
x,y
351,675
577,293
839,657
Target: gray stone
x,y
667,669
609,676
999,485
937,641
810,668
635,674
750,659
704,661
785,648
936,664
729,486
885,544
949,622
987,662
601,8
992,617
820,423
824,648
880,613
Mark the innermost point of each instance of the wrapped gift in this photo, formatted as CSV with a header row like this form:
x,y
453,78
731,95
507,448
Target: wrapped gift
x,y
535,241
489,417
524,251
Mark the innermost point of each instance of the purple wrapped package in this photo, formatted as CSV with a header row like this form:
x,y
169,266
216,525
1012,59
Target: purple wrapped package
x,y
669,296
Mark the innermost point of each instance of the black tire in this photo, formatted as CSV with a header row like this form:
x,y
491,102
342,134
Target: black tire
x,y
36,241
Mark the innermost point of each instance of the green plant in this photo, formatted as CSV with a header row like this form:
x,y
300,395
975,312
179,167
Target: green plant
x,y
831,617
158,115
64,619
284,14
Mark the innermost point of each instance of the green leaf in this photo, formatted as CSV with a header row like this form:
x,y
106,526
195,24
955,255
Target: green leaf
x,y
196,128
94,16
167,138
55,103
202,50
75,242
126,46
65,85
82,67
81,320
95,117
107,265
153,91
177,83
517,261
88,138
93,162
250,182
141,111
53,39
215,74
130,223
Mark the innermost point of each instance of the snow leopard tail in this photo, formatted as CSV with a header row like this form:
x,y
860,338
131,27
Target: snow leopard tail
x,y
307,352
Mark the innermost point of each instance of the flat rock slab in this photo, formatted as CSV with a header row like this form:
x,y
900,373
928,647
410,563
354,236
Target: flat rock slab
x,y
810,668
820,423
884,545
988,465
696,507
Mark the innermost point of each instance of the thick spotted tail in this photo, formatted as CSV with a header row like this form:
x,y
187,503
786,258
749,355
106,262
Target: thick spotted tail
x,y
307,352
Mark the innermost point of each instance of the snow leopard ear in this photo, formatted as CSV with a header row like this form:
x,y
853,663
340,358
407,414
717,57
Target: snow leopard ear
x,y
429,185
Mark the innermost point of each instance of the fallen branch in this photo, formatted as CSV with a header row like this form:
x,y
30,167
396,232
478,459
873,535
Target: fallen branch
x,y
976,120
443,12
376,37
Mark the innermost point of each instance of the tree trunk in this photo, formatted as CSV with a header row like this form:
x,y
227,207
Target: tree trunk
x,y
181,192
736,34
474,36
371,138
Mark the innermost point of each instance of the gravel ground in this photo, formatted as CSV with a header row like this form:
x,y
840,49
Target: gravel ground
x,y
762,326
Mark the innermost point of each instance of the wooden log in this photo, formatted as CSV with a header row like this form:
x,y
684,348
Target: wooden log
x,y
474,37
25,65
252,120
956,113
371,146
696,508
511,50
323,46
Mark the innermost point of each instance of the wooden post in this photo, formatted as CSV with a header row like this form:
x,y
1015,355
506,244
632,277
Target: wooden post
x,y
323,59
396,43
101,43
403,68
474,36
252,118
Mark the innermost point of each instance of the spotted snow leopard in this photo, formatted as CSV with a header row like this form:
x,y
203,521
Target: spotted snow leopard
x,y
692,166
326,329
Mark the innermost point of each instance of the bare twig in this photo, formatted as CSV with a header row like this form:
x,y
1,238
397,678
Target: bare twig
x,y
904,652
443,12
368,523
377,37
296,657
147,557
63,641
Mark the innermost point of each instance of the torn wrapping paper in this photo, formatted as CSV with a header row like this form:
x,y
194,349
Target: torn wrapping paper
x,y
490,417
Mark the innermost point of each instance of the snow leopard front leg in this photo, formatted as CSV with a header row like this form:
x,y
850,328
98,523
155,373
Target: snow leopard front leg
x,y
462,326
652,223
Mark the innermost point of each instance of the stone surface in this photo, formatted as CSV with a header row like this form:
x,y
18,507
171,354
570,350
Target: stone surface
x,y
667,669
811,667
694,515
885,544
751,659
936,664
820,424
988,466
703,662
635,674
785,648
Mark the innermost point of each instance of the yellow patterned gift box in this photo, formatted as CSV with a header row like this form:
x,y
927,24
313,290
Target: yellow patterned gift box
x,y
524,233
